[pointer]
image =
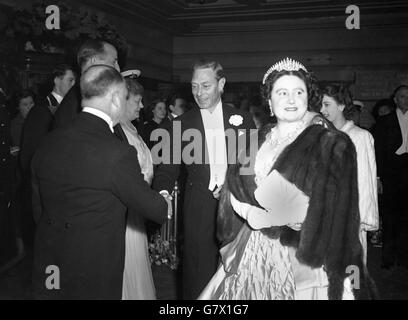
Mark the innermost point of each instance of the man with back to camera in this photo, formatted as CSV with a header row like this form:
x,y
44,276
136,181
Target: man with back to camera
x,y
84,179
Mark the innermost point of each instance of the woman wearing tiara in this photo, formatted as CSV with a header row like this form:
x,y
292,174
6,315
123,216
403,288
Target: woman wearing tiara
x,y
137,276
299,203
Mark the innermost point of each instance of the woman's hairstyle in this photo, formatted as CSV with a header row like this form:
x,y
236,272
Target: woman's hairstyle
x,y
380,103
134,87
22,94
341,94
313,91
18,96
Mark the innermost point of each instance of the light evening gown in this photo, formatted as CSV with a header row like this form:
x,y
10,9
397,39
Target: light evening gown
x,y
137,276
257,267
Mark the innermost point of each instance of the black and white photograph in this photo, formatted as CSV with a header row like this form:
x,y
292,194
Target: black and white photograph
x,y
215,152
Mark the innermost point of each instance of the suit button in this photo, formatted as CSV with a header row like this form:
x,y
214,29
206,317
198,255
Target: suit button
x,y
67,225
49,221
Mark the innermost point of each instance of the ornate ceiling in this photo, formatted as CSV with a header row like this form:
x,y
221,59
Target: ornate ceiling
x,y
184,17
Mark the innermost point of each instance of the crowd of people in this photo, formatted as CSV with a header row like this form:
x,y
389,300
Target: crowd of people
x,y
277,197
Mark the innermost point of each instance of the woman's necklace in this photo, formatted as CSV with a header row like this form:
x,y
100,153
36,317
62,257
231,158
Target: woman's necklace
x,y
276,142
267,156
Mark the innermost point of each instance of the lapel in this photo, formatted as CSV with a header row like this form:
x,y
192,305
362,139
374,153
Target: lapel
x,y
395,126
227,113
52,100
119,133
198,123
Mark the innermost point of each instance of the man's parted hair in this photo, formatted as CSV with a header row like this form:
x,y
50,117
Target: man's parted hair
x,y
90,49
211,64
60,70
98,80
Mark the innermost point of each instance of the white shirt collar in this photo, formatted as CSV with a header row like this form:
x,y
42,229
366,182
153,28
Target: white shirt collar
x,y
217,110
173,115
100,114
57,97
399,111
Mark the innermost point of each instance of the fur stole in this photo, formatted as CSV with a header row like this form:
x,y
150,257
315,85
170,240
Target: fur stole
x,y
322,163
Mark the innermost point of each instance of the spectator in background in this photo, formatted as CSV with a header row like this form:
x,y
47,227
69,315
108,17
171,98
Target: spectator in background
x,y
392,160
24,102
260,115
39,120
21,201
159,113
177,106
7,230
355,112
382,108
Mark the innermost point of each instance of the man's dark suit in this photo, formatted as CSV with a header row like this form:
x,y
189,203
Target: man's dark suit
x,y
69,107
393,172
84,179
200,248
37,124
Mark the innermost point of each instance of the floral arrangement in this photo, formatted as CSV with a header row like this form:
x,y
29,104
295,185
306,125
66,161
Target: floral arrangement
x,y
162,252
26,23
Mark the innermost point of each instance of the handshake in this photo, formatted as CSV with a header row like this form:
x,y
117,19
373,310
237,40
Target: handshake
x,y
168,199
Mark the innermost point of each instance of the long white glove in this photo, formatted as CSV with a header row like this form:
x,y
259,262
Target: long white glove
x,y
284,204
257,218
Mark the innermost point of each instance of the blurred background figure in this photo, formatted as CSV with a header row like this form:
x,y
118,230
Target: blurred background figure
x,y
8,249
355,112
40,118
392,160
24,101
177,106
382,108
21,201
158,114
260,115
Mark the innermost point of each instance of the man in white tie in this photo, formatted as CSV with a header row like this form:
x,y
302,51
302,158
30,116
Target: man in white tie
x,y
206,166
391,147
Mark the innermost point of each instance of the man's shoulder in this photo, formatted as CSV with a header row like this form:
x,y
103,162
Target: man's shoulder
x,y
39,111
73,97
188,115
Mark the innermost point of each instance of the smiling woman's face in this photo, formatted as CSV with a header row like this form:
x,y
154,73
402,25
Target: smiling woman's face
x,y
288,99
331,109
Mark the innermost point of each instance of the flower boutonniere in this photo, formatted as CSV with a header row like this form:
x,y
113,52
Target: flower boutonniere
x,y
236,120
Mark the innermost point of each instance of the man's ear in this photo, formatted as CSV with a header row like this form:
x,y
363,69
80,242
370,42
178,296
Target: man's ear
x,y
171,107
115,98
221,84
57,80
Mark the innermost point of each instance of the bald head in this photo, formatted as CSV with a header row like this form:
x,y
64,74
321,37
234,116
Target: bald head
x,y
103,88
98,80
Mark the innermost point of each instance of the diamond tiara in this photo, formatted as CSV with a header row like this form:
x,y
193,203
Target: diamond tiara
x,y
285,64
